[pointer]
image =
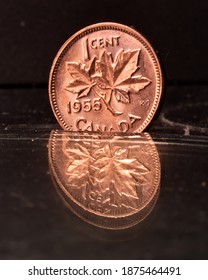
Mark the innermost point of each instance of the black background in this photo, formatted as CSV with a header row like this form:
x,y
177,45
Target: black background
x,y
31,33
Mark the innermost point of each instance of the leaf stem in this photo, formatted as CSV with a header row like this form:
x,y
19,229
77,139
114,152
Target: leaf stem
x,y
107,102
111,109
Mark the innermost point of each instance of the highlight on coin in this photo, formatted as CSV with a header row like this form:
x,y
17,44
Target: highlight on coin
x,y
109,181
106,77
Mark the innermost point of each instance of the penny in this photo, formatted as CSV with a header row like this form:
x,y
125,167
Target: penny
x,y
106,178
106,77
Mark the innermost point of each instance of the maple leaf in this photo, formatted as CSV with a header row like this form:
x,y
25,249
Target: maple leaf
x,y
107,77
118,76
107,170
113,168
82,78
77,169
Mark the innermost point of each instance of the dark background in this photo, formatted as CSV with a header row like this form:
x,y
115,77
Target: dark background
x,y
34,223
31,33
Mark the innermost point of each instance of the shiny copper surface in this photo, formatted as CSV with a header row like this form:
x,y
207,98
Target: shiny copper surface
x,y
110,181
106,77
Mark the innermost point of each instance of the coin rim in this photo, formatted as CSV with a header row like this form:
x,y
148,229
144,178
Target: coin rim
x,y
94,28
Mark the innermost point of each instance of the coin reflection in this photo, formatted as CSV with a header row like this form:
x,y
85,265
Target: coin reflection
x,y
110,181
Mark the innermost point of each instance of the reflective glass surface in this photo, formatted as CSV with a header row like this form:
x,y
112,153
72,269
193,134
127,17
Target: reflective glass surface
x,y
41,220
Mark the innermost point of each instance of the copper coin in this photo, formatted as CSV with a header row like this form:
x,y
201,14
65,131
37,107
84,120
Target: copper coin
x,y
106,77
107,178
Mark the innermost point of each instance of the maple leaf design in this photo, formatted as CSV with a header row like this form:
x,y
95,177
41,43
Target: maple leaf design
x,y
106,169
113,168
82,78
108,77
118,76
78,167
